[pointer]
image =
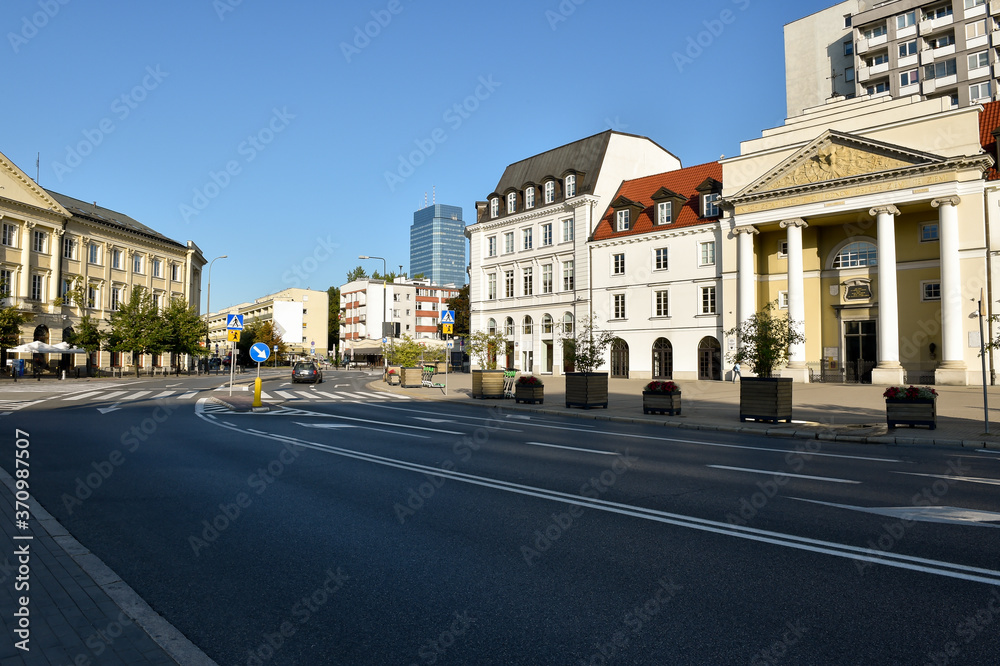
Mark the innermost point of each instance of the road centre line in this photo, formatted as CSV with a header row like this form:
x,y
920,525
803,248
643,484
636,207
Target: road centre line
x,y
887,558
794,476
573,448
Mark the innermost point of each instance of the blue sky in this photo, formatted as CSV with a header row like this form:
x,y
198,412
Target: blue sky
x,y
294,137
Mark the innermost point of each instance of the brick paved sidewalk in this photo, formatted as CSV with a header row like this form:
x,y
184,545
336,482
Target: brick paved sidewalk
x,y
80,612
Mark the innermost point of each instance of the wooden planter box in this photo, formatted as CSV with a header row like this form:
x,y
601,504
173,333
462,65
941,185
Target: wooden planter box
x,y
587,389
657,402
922,411
766,399
412,377
534,395
394,378
487,383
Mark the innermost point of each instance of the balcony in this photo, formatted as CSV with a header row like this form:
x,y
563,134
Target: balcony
x,y
861,46
864,73
994,7
928,86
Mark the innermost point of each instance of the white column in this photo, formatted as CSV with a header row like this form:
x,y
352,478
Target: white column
x,y
888,371
796,299
952,369
746,276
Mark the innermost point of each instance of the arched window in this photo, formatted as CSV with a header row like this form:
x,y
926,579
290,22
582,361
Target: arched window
x,y
570,186
568,324
512,203
547,324
527,325
509,326
491,326
550,191
856,254
529,197
494,207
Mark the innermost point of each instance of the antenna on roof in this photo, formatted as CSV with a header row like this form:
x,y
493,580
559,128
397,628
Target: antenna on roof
x,y
434,189
425,198
38,159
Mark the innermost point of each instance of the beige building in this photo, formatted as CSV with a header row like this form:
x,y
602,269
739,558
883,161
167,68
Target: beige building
x,y
300,315
51,243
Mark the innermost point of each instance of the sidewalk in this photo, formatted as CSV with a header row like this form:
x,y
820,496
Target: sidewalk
x,y
79,611
851,412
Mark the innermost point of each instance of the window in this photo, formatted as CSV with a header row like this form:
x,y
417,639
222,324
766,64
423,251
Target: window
x,y
494,207
547,233
550,191
508,242
36,288
782,300
622,220
930,291
93,253
664,212
660,259
491,286
568,275
528,279
979,91
38,239
880,87
69,247
848,47
710,204
526,239
977,60
527,324
508,326
661,303
93,296
157,268
567,230
618,306
909,78
10,235
849,74
857,254
570,186
878,59
875,31
116,258
847,20
928,232
137,263
491,326
906,20
529,198
938,12
782,249
941,41
5,282
708,300
969,4
568,323
940,69
707,253
512,203
491,246
508,284
547,325
547,279
618,264
908,48
975,29
175,272
156,301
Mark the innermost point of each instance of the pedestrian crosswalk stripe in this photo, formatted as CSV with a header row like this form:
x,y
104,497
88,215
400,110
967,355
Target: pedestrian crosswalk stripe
x,y
113,394
81,396
329,395
189,394
308,395
164,394
136,396
382,396
264,396
285,395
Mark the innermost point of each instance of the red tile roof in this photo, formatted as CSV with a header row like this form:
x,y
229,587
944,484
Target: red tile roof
x,y
640,190
989,120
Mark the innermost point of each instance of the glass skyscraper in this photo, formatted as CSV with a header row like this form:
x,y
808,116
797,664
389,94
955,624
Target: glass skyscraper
x,y
437,245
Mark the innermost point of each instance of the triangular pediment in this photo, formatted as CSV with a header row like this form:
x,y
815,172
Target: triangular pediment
x,y
837,156
18,186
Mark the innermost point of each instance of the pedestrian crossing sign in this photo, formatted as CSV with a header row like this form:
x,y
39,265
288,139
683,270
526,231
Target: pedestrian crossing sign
x,y
234,322
447,316
234,336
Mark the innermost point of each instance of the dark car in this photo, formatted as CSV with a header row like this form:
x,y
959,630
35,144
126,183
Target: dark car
x,y
306,371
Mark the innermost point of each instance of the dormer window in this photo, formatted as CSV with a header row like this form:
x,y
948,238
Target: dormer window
x,y
550,191
710,205
622,220
512,203
664,212
570,186
529,197
494,207
668,205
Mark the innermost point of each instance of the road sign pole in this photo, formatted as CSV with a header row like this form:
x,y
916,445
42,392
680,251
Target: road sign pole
x,y
232,369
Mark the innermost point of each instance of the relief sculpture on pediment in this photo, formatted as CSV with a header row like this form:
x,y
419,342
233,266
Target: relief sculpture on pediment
x,y
832,162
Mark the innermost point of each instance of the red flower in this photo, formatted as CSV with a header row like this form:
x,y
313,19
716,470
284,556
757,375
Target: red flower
x,y
662,387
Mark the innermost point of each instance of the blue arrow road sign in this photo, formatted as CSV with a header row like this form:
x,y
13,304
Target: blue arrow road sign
x,y
259,352
234,322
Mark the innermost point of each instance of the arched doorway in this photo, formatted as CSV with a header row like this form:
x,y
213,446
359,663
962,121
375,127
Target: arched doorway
x,y
41,335
619,358
709,360
663,359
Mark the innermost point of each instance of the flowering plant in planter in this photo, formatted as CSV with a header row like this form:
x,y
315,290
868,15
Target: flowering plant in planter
x,y
392,371
529,380
909,393
662,387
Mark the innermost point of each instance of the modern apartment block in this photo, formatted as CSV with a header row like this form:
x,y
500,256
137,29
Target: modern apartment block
x,y
437,245
898,48
415,305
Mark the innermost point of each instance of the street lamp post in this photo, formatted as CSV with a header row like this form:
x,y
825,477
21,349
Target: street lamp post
x,y
208,306
385,299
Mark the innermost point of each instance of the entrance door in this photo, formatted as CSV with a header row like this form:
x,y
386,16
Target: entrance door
x,y
663,359
547,353
860,351
709,359
619,358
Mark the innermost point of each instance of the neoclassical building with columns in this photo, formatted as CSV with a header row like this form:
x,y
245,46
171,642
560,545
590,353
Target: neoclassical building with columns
x,y
870,220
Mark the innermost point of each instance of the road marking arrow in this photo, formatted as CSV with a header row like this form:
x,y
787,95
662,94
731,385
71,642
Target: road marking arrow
x,y
112,408
421,418
324,425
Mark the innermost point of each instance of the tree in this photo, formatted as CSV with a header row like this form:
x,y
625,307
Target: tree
x,y
586,349
262,331
389,277
137,327
75,295
11,320
404,353
764,340
183,329
463,313
333,323
87,335
358,273
485,347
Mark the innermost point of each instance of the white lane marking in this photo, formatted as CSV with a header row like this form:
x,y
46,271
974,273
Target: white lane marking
x,y
950,515
421,418
307,395
285,395
264,395
325,425
383,395
333,396
875,556
188,395
136,395
970,479
81,396
525,417
773,473
164,394
573,448
113,394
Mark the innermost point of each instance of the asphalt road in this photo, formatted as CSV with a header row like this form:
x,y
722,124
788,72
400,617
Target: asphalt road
x,y
359,531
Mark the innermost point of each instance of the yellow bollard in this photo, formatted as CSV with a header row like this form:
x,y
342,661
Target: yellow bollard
x,y
256,393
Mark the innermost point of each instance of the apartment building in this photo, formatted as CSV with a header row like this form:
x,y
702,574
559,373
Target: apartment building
x,y
300,316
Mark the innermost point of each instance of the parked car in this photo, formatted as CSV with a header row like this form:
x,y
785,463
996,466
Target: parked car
x,y
306,371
